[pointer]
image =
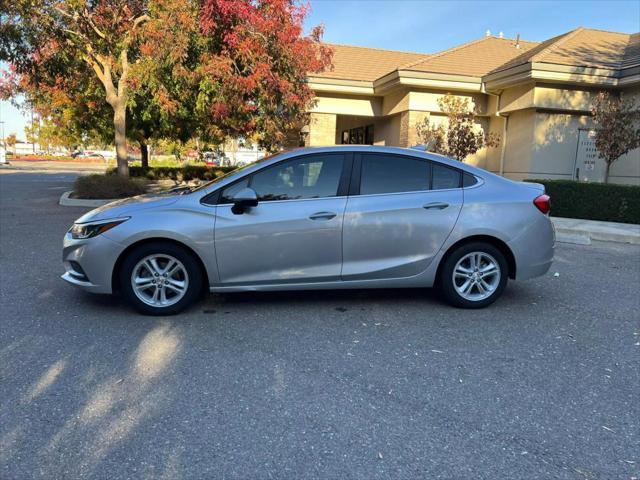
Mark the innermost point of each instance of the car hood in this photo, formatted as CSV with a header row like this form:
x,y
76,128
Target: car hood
x,y
127,206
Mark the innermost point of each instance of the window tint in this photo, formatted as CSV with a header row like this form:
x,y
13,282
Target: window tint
x,y
227,194
468,180
312,176
445,177
393,173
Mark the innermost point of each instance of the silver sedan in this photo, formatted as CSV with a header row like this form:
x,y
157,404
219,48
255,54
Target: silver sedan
x,y
318,218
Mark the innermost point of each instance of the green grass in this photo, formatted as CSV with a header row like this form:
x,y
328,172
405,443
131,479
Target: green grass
x,y
166,161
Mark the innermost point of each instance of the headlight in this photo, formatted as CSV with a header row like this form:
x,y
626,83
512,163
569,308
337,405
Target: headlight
x,y
81,231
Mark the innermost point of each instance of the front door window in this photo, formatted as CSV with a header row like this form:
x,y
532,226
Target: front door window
x,y
314,176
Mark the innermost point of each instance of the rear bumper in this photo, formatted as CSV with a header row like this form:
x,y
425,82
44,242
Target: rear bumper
x,y
534,249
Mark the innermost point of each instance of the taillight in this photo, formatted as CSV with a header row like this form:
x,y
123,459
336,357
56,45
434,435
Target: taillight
x,y
543,203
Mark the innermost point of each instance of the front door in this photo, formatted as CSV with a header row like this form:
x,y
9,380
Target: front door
x,y
404,212
294,234
590,167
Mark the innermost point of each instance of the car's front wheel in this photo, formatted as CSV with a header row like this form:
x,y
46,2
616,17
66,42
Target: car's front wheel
x,y
160,278
474,275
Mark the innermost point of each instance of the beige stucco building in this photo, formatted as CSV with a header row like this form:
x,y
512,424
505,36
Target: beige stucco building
x,y
536,96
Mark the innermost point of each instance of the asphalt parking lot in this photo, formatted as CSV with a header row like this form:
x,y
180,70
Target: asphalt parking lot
x,y
345,385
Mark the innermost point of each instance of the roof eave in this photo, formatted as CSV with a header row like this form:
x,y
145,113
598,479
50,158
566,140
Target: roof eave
x,y
340,85
556,73
410,78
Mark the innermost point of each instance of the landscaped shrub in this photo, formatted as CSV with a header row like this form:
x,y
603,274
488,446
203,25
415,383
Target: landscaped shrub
x,y
593,201
179,174
107,186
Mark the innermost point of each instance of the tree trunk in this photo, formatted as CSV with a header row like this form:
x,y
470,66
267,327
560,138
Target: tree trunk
x,y
120,125
606,173
144,153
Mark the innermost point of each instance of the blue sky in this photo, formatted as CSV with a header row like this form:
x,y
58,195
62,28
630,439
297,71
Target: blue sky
x,y
430,26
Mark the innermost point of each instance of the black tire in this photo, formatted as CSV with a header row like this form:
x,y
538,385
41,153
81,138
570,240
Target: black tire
x,y
446,283
191,265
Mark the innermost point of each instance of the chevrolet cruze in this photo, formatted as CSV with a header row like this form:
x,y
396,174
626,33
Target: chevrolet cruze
x,y
318,218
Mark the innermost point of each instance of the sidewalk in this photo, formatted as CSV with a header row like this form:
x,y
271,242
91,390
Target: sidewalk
x,y
571,230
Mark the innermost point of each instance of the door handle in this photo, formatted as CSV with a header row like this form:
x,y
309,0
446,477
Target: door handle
x,y
322,216
435,206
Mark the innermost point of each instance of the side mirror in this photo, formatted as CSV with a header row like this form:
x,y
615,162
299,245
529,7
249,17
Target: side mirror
x,y
243,200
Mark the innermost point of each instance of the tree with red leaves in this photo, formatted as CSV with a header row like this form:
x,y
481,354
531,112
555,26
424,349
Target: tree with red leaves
x,y
225,68
254,68
617,127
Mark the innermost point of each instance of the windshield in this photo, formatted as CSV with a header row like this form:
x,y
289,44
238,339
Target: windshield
x,y
232,172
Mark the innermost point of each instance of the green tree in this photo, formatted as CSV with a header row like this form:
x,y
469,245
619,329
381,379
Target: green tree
x,y
617,122
11,140
48,42
214,69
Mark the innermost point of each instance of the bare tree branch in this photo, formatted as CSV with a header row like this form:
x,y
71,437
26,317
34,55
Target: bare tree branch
x,y
87,15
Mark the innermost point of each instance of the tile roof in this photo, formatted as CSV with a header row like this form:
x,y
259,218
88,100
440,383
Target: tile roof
x,y
632,52
584,47
366,64
474,59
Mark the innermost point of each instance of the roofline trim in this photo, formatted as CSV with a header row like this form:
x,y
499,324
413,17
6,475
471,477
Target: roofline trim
x,y
607,77
427,80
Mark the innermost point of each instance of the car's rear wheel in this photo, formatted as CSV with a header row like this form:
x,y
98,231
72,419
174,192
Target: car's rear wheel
x,y
474,275
160,278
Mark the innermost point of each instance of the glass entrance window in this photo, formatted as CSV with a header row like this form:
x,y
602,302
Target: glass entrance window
x,y
358,136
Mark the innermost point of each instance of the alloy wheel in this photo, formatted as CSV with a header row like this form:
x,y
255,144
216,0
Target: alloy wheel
x,y
476,276
159,280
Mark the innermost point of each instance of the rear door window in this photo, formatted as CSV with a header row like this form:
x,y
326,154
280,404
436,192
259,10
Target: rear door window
x,y
381,173
445,177
468,180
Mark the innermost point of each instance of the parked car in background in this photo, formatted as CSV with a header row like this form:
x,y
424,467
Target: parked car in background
x,y
58,153
318,218
86,154
93,154
215,159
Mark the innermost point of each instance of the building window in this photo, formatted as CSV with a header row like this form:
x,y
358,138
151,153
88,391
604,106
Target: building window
x,y
368,134
358,136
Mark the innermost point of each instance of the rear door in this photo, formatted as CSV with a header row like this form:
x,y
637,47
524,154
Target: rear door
x,y
294,234
400,211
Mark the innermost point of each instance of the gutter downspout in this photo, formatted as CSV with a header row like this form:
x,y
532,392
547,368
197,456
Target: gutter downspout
x,y
503,147
504,143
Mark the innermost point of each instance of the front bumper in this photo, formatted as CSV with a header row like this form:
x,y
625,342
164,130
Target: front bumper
x,y
89,263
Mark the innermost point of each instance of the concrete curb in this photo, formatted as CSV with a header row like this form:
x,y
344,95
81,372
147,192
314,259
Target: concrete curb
x,y
569,236
582,232
65,201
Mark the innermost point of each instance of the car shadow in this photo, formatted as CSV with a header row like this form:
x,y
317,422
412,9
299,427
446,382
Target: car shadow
x,y
323,296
